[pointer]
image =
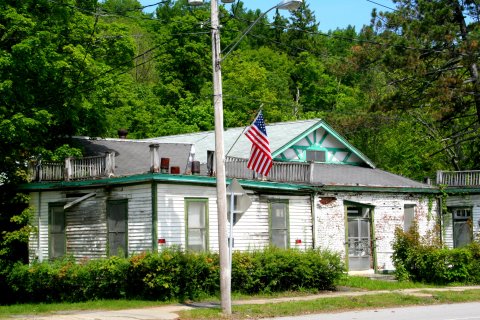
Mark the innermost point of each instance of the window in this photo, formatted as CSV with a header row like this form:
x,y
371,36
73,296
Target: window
x,y
279,224
117,227
408,216
56,231
462,226
316,156
197,226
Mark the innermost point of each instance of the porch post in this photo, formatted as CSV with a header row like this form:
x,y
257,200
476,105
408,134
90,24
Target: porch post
x,y
68,169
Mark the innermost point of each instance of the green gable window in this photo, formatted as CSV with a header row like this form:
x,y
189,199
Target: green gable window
x,y
279,233
56,231
197,224
316,156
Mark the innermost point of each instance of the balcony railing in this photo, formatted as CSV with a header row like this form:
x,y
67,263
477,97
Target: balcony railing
x,y
280,172
74,168
459,178
98,167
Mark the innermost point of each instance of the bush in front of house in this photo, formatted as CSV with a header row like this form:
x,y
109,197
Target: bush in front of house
x,y
419,259
276,270
171,274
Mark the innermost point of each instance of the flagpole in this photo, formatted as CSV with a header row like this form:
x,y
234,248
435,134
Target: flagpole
x,y
231,147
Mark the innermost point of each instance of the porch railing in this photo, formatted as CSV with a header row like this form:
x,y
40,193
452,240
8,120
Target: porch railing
x,y
103,166
459,178
74,168
280,172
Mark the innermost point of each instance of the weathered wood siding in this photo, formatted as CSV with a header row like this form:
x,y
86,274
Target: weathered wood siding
x,y
139,215
86,222
468,200
86,227
388,214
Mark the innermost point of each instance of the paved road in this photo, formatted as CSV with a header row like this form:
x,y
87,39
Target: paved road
x,y
460,311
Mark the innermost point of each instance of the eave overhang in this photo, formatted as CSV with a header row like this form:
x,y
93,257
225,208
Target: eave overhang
x,y
166,178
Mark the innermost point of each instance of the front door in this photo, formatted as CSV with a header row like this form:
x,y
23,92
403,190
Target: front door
x,y
359,239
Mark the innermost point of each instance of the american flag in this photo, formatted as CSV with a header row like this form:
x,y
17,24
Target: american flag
x,y
260,156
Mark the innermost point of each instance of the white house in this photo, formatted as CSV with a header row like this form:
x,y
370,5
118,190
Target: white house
x,y
144,195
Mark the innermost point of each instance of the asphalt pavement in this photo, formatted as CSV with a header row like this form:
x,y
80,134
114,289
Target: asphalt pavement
x,y
169,312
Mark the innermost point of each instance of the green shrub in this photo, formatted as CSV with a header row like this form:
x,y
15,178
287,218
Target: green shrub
x,y
200,275
418,259
155,275
171,274
275,270
104,278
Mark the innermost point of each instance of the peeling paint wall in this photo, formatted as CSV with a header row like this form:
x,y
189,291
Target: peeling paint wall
x,y
388,214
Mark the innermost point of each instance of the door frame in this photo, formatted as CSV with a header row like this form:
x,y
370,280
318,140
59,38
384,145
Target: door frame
x,y
373,246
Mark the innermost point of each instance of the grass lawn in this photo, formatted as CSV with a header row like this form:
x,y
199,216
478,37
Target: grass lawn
x,y
46,308
335,304
325,304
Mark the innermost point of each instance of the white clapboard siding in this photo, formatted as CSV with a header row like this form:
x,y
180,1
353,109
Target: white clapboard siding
x,y
139,217
300,217
251,231
171,212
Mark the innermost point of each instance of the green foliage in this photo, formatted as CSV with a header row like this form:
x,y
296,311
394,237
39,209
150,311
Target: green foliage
x,y
418,259
171,274
274,270
431,66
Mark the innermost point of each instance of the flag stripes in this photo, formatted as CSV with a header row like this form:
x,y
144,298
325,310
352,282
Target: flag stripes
x,y
260,155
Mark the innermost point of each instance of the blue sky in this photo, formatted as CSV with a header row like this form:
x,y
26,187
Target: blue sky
x,y
331,14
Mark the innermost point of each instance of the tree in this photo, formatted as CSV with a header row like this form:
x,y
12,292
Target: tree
x,y
429,51
55,58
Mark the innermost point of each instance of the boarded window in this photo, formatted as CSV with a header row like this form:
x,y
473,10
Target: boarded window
x,y
462,226
197,231
56,232
408,216
279,224
117,227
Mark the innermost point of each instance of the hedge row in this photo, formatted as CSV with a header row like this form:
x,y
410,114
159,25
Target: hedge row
x,y
420,260
168,275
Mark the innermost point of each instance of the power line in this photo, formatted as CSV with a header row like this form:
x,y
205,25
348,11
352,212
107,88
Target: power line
x,y
381,5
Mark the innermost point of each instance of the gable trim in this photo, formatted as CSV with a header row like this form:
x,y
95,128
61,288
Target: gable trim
x,y
328,131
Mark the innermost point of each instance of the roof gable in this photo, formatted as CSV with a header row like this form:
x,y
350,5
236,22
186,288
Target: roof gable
x,y
288,142
322,137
